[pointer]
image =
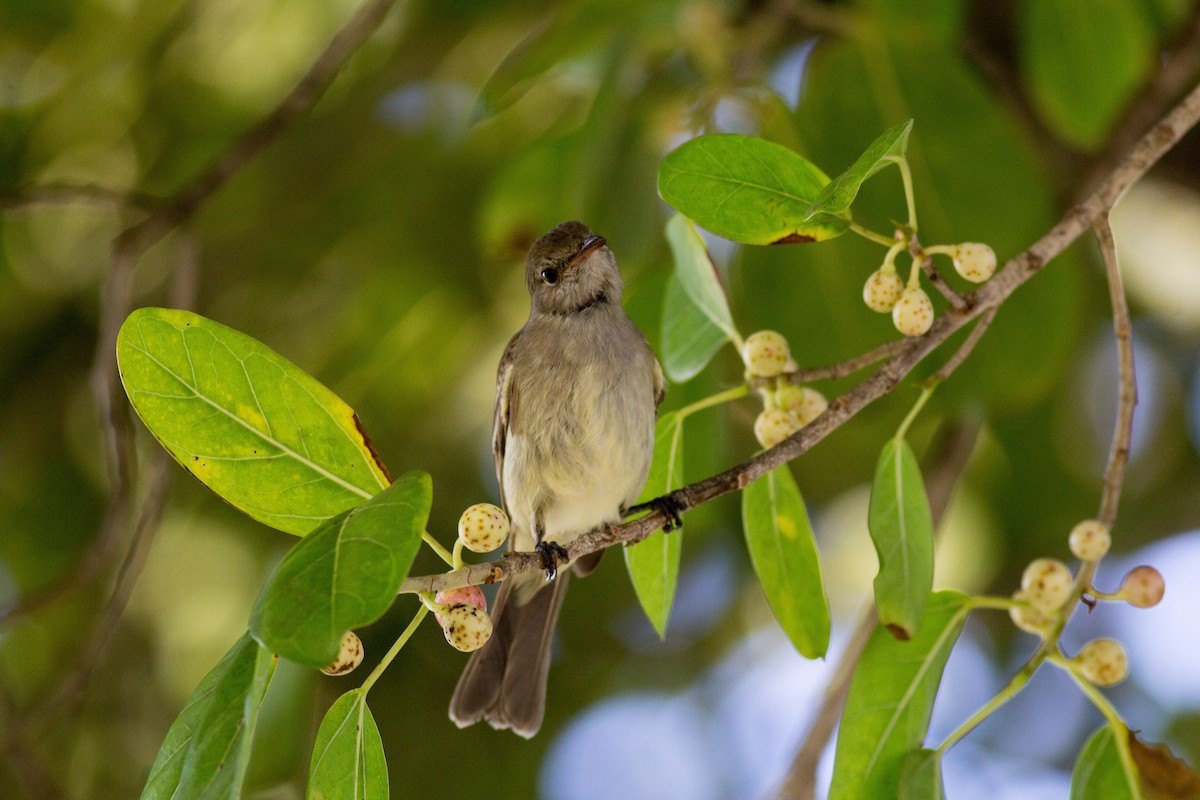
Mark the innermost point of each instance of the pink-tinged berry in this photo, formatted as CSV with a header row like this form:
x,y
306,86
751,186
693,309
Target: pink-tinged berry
x,y
1090,540
773,426
882,290
1143,587
483,527
913,313
349,657
1046,584
464,594
1028,619
766,354
974,261
1103,662
467,627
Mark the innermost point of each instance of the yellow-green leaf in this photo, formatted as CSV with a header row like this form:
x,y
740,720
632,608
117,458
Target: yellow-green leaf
x,y
348,762
839,194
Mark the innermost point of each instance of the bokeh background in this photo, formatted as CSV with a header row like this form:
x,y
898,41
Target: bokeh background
x,y
377,243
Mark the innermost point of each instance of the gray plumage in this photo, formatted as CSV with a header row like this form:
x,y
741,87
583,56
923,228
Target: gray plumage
x,y
573,434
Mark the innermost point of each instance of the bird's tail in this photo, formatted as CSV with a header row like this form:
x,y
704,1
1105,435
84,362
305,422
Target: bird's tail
x,y
504,681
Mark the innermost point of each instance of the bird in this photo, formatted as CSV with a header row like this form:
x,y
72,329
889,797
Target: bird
x,y
577,393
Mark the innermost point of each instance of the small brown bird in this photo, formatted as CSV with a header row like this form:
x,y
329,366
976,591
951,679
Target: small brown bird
x,y
573,434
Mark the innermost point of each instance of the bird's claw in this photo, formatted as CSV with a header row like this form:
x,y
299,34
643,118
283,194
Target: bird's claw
x,y
667,505
551,554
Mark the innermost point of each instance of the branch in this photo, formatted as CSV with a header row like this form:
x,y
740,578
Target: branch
x,y
1017,270
72,193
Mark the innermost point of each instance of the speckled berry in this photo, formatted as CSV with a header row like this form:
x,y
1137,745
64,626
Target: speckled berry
x,y
1089,540
1143,587
803,403
348,658
882,290
766,354
467,627
1046,584
974,261
465,594
1103,662
773,426
913,313
1028,619
483,527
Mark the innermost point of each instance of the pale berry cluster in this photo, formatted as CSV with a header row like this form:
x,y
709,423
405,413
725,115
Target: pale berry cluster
x,y
462,613
483,527
767,355
787,407
349,656
911,309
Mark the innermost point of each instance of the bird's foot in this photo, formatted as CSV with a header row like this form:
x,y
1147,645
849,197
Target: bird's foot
x,y
668,505
552,554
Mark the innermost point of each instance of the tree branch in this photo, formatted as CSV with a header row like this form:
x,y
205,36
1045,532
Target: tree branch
x,y
1016,271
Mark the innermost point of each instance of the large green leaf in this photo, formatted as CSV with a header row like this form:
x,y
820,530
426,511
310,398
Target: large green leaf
x,y
252,426
890,700
746,189
348,762
205,753
689,337
1083,61
1098,774
921,776
698,274
343,575
653,563
784,554
839,194
902,529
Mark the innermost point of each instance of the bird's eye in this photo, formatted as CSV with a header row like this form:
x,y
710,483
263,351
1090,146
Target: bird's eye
x,y
550,275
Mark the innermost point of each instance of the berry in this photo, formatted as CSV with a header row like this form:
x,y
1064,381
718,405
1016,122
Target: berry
x,y
1026,618
483,527
1103,662
766,354
882,290
913,313
472,595
1142,587
802,403
348,658
1090,540
773,426
1046,584
467,627
974,261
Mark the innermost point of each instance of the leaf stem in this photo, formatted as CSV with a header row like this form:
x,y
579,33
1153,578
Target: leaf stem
x,y
926,392
382,666
871,235
909,196
741,390
436,547
996,603
457,559
1014,686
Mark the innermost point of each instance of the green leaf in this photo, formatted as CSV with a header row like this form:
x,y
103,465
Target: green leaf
x,y
343,575
837,196
1098,774
784,555
698,274
921,776
348,761
653,563
902,530
746,189
1083,61
689,337
891,697
205,753
253,427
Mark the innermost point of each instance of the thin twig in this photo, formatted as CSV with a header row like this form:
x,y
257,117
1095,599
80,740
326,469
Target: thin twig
x,y
849,366
964,350
76,193
1118,454
1016,272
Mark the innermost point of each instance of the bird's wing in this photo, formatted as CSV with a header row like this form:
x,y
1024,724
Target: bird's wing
x,y
502,416
660,383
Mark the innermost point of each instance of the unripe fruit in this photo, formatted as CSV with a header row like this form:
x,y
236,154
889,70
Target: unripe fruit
x,y
974,261
1046,584
766,354
1089,540
1028,619
913,313
467,627
483,527
882,290
1103,662
803,403
773,426
1143,587
348,658
472,595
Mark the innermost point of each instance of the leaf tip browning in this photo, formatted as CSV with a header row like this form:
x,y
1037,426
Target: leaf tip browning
x,y
794,238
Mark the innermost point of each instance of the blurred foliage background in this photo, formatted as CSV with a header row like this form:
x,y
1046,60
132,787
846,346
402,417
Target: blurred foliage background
x,y
378,244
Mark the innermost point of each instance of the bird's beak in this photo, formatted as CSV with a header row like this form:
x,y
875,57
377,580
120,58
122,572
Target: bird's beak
x,y
589,245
